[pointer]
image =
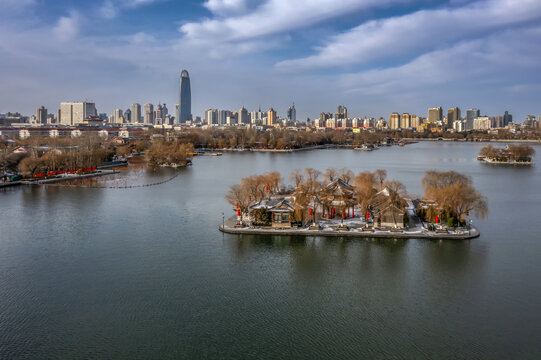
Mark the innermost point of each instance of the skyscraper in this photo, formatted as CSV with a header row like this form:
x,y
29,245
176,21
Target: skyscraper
x,y
435,114
127,116
243,116
394,120
453,115
405,121
185,98
471,114
135,113
119,116
159,115
41,115
507,118
292,113
271,117
74,113
149,114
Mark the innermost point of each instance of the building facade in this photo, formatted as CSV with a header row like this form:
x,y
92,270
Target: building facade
x,y
435,114
271,117
135,113
74,113
149,114
185,98
41,115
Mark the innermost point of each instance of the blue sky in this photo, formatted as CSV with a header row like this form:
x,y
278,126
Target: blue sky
x,y
374,56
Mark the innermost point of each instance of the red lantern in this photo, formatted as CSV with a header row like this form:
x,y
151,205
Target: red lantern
x,y
311,212
238,212
437,219
367,214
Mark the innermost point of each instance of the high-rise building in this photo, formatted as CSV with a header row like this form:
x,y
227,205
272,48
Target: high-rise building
x,y
507,118
271,117
211,117
453,115
482,123
394,120
471,114
74,113
405,121
341,112
159,119
222,116
185,98
243,116
41,115
435,114
127,116
148,114
292,113
165,115
135,113
119,116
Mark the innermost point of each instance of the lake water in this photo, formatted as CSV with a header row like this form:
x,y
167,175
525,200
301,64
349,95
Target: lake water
x,y
144,273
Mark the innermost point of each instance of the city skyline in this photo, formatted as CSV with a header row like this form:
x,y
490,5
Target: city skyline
x,y
271,54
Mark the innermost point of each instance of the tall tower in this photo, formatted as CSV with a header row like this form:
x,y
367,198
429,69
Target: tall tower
x,y
136,113
185,112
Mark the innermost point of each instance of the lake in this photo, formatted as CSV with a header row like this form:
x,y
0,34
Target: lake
x,y
144,273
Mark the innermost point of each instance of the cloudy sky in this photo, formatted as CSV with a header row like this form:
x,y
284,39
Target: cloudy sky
x,y
374,56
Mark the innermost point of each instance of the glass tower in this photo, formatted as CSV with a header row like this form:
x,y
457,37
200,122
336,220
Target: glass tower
x,y
185,111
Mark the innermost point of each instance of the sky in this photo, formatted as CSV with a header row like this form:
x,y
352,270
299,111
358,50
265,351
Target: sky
x,y
373,56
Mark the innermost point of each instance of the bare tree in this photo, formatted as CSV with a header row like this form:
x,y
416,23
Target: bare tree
x,y
296,177
380,176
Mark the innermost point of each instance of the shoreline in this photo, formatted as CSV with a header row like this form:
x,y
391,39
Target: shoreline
x,y
419,234
523,141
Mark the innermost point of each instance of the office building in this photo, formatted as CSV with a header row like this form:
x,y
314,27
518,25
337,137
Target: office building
x,y
119,116
41,115
148,114
292,113
74,113
471,115
394,121
453,115
243,116
211,117
507,118
127,116
185,98
405,121
435,114
135,113
271,117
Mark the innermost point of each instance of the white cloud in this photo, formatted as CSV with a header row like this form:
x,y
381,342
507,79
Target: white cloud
x,y
421,31
67,27
108,10
225,7
271,17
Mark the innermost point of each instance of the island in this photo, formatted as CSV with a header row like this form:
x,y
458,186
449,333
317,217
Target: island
x,y
510,155
339,203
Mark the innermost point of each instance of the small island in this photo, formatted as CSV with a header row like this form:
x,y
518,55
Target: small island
x,y
338,203
511,155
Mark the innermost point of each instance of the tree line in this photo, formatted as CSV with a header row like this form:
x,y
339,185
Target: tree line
x,y
452,194
519,152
